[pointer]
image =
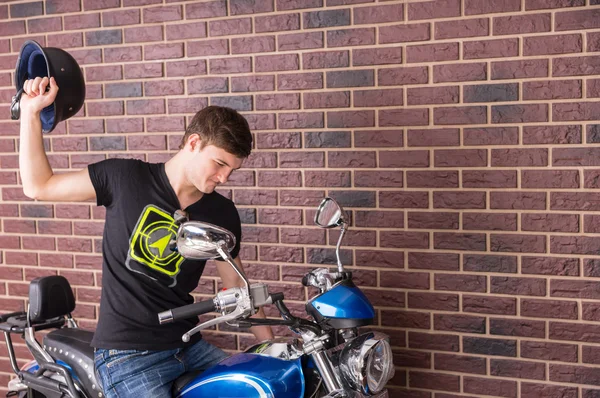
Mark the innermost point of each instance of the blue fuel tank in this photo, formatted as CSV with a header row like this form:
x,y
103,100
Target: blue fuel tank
x,y
250,376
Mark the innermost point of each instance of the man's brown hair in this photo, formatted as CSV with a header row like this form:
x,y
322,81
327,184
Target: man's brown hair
x,y
222,127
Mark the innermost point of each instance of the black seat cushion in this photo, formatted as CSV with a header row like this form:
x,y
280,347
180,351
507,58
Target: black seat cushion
x,y
72,346
183,381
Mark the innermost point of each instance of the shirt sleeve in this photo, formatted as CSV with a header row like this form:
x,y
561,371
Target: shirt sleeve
x,y
106,177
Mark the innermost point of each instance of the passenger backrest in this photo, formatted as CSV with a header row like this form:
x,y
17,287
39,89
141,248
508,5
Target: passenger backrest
x,y
50,297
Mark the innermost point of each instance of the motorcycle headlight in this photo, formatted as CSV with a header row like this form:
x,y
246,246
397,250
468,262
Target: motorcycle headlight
x,y
366,363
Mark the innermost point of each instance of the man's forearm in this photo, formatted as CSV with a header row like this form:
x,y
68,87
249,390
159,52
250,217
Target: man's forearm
x,y
261,333
34,167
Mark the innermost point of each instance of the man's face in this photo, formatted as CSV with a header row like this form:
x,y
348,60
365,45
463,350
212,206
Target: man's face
x,y
211,166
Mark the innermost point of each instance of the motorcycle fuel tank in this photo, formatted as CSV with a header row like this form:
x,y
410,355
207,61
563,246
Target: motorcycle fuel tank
x,y
344,306
249,376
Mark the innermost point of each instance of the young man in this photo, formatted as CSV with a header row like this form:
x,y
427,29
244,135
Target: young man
x,y
135,356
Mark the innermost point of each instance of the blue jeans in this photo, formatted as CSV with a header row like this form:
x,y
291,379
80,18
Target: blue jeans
x,y
135,373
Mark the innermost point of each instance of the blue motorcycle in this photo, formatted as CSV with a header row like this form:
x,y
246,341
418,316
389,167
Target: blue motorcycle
x,y
329,358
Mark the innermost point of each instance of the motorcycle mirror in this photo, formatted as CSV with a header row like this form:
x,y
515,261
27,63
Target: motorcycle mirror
x,y
201,241
329,214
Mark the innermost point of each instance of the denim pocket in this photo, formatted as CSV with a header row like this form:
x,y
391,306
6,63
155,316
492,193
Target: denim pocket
x,y
116,357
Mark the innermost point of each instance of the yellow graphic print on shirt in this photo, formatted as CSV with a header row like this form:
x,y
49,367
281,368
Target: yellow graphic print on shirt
x,y
149,247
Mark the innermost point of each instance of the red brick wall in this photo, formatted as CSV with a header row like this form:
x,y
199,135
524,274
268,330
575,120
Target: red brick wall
x,y
461,135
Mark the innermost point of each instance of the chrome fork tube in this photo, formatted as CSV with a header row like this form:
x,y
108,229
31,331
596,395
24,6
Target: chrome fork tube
x,y
326,369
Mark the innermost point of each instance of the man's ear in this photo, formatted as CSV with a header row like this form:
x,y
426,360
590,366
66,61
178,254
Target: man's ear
x,y
194,142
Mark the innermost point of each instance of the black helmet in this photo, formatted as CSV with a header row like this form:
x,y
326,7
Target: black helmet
x,y
37,61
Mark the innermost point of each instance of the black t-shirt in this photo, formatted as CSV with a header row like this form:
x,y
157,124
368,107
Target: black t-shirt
x,y
141,276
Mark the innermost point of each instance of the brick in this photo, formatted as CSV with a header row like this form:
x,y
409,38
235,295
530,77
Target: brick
x,y
574,332
519,157
412,319
337,99
301,160
434,137
490,263
518,286
460,157
589,354
489,305
350,37
145,107
378,98
380,258
519,69
473,7
460,283
193,30
526,113
489,179
82,21
61,6
572,244
230,65
549,45
343,119
301,120
491,93
143,34
491,49
239,103
208,9
593,42
551,391
121,17
433,95
518,200
252,83
432,179
545,4
277,101
358,78
230,27
300,81
51,24
550,266
437,381
388,179
429,10
576,20
106,108
300,41
592,223
460,363
436,342
486,346
495,387
207,85
414,240
460,115
238,7
489,221
276,23
549,309
404,117
326,59
552,134
245,45
573,201
163,51
385,219
432,52
459,200
328,18
404,33
549,351
391,199
575,111
278,140
491,136
295,4
459,323
354,198
574,374
207,47
381,138
123,54
433,220
461,28
550,222
576,66
378,14
402,76
520,24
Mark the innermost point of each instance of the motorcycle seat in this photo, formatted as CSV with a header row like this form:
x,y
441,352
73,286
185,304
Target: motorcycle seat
x,y
183,380
72,346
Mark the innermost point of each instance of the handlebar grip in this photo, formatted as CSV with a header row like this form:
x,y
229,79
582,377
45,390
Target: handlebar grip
x,y
187,311
276,297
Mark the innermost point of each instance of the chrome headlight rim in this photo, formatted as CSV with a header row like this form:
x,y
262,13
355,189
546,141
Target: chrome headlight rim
x,y
354,361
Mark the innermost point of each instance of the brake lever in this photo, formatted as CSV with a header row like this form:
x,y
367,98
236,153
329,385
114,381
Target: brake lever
x,y
238,312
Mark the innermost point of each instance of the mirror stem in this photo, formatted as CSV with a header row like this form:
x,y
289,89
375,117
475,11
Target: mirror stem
x,y
337,248
227,257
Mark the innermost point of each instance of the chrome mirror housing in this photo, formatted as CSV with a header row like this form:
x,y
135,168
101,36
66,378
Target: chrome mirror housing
x,y
329,214
202,241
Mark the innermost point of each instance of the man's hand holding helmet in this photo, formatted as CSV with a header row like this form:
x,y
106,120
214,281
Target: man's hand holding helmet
x,y
35,97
